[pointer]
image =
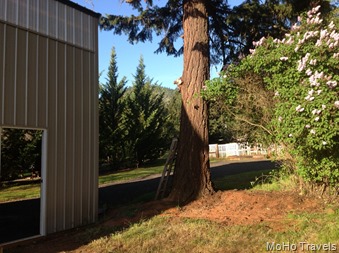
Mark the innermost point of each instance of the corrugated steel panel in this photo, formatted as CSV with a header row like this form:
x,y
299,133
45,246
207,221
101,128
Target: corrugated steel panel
x,y
23,13
78,28
51,187
70,25
32,79
60,121
11,11
52,19
3,10
42,95
86,30
56,19
43,16
61,9
10,78
48,83
21,84
79,76
86,141
70,143
33,15
2,66
94,150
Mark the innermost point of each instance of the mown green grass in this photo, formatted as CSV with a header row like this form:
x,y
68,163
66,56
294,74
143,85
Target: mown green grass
x,y
172,234
18,192
165,234
275,184
130,174
240,181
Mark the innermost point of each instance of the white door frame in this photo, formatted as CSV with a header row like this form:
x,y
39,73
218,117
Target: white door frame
x,y
43,182
43,175
0,149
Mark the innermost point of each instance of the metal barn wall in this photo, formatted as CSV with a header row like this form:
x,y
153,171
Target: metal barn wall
x,y
48,80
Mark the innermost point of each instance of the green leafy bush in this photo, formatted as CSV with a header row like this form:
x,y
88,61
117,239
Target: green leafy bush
x,y
302,71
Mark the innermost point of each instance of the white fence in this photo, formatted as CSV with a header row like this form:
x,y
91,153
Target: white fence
x,y
236,149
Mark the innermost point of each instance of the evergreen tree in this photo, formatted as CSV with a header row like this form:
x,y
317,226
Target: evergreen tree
x,y
172,100
111,121
20,152
190,17
146,119
203,27
254,19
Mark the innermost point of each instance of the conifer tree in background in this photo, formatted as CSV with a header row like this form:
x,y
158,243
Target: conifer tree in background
x,y
111,123
20,153
146,119
208,37
254,19
192,175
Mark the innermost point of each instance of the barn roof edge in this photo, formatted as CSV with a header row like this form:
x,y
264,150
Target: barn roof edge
x,y
80,8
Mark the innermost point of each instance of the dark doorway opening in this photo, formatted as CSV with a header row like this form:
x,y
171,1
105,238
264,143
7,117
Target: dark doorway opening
x,y
20,183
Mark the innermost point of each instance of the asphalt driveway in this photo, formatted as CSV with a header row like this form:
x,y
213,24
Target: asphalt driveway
x,y
20,219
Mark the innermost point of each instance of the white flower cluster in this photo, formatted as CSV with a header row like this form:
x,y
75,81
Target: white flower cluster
x,y
302,63
328,39
308,35
332,84
313,16
309,96
296,25
299,108
259,43
315,78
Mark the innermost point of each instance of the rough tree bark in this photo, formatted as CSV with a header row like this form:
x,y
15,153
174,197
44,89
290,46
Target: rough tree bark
x,y
192,172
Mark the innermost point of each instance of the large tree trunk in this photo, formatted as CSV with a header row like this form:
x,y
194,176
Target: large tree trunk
x,y
192,172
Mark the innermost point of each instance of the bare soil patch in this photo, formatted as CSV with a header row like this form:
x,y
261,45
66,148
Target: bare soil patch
x,y
247,207
228,207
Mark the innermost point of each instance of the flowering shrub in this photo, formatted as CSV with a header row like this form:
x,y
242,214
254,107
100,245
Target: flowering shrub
x,y
302,70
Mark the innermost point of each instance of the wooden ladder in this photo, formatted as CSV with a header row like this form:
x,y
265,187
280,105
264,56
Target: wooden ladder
x,y
168,169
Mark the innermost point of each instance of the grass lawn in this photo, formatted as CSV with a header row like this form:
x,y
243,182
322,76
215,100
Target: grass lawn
x,y
132,174
18,192
303,230
240,181
174,233
181,235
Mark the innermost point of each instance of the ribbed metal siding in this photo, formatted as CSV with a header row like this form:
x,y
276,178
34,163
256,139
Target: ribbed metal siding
x,y
51,18
49,83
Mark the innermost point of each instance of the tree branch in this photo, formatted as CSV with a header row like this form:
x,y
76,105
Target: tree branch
x,y
250,123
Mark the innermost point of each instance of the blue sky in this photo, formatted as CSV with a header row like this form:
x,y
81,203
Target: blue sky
x,y
162,68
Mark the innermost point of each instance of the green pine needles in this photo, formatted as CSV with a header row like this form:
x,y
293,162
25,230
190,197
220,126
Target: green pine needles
x,y
134,121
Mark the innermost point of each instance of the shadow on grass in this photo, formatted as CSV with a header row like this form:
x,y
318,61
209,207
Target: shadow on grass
x,y
243,181
105,169
241,175
136,199
123,205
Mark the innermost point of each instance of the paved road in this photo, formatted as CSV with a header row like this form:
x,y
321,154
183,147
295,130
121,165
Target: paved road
x,y
21,219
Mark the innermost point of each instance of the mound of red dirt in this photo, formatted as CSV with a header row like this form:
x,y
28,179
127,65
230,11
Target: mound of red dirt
x,y
247,207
